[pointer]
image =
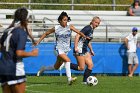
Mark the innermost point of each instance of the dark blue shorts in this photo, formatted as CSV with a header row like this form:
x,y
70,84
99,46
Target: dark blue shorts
x,y
79,54
11,79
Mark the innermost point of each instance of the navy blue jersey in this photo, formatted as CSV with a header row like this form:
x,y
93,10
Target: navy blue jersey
x,y
82,43
9,58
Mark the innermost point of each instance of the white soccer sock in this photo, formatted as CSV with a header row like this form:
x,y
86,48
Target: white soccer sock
x,y
68,70
62,66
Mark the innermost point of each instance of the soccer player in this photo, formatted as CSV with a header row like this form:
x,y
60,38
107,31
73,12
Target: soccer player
x,y
12,46
81,53
131,44
62,47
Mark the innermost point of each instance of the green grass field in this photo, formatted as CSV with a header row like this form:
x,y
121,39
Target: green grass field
x,y
107,84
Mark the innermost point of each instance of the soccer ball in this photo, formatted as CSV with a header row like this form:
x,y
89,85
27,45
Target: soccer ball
x,y
92,81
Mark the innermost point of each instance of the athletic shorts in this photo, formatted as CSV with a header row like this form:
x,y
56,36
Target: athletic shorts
x,y
79,54
132,58
16,78
11,79
60,51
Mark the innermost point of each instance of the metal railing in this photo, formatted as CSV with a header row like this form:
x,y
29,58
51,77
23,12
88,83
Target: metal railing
x,y
41,25
72,5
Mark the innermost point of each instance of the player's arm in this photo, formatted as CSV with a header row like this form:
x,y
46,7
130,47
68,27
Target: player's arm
x,y
126,43
30,34
20,46
77,31
45,34
91,50
22,53
76,42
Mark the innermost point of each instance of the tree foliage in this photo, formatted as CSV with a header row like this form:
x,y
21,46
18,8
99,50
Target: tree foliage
x,y
49,7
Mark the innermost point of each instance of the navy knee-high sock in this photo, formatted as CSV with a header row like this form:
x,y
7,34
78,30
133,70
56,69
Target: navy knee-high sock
x,y
86,74
74,66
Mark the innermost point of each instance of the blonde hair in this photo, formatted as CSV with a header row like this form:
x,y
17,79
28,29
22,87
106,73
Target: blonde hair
x,y
94,18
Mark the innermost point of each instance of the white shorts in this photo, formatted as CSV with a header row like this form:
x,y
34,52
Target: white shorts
x,y
132,58
60,51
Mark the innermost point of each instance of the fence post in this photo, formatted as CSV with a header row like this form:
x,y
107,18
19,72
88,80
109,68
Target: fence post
x,y
29,1
114,3
72,6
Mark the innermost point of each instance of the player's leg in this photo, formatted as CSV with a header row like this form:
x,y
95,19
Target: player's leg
x,y
80,61
67,67
130,64
88,70
80,65
136,62
88,61
18,88
12,85
58,63
130,70
6,88
54,66
133,69
62,66
51,67
4,85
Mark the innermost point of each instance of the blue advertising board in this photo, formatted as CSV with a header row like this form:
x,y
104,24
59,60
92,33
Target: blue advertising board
x,y
109,58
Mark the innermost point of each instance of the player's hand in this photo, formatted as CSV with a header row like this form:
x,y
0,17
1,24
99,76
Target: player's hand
x,y
88,38
35,43
76,49
35,52
92,53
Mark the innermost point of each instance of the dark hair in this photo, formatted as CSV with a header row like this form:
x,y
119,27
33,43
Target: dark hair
x,y
133,5
21,15
62,15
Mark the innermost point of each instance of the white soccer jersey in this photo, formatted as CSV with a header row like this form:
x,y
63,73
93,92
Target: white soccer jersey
x,y
63,36
132,42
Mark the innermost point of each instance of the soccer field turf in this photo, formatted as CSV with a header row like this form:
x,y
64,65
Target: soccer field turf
x,y
106,84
